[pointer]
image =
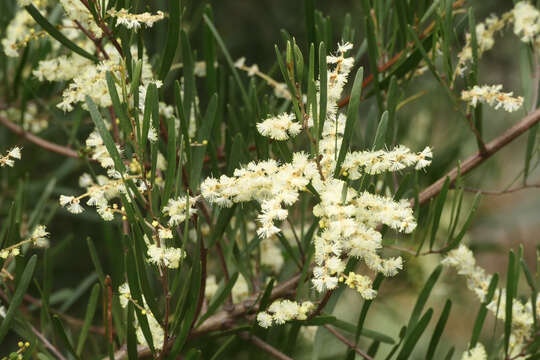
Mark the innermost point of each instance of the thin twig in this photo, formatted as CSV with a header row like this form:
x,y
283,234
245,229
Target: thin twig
x,y
265,346
97,42
47,344
503,192
322,304
475,160
344,340
47,145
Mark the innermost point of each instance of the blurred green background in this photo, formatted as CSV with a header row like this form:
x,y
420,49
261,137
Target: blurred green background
x,y
250,29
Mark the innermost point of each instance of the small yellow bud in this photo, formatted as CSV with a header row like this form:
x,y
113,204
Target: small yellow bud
x,y
20,344
155,223
143,312
27,344
205,142
124,217
345,173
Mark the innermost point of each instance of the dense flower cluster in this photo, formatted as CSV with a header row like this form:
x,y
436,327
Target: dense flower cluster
x,y
165,256
134,21
476,353
493,96
463,260
8,159
180,209
38,238
282,311
348,219
280,127
526,25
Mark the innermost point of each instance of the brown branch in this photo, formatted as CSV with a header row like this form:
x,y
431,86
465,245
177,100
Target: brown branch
x,y
322,304
97,42
346,341
265,346
47,145
105,29
475,160
503,192
47,344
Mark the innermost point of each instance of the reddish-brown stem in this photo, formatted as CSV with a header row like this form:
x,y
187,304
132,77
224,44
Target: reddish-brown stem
x,y
475,160
322,304
269,349
346,341
503,192
47,145
105,29
97,42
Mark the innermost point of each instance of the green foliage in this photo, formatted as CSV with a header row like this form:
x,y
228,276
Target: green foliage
x,y
171,108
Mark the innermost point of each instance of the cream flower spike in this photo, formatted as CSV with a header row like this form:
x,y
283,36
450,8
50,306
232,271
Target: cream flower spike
x,y
493,96
135,21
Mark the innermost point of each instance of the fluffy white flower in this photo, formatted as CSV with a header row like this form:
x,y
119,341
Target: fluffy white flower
x,y
180,209
169,257
280,127
493,96
134,21
281,311
7,160
476,353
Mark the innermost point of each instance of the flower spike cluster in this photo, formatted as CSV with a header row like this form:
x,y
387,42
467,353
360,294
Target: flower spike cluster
x,y
8,159
493,96
462,259
280,127
282,311
134,21
348,219
526,25
38,238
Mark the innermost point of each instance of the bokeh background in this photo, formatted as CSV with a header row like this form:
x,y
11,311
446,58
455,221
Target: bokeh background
x,y
250,29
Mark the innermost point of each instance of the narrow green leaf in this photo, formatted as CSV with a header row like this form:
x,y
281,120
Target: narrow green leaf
x,y
380,135
203,137
352,114
423,297
55,33
511,285
95,259
439,328
88,317
439,206
481,317
365,307
117,104
173,30
323,86
16,300
230,62
59,329
455,242
105,135
414,335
